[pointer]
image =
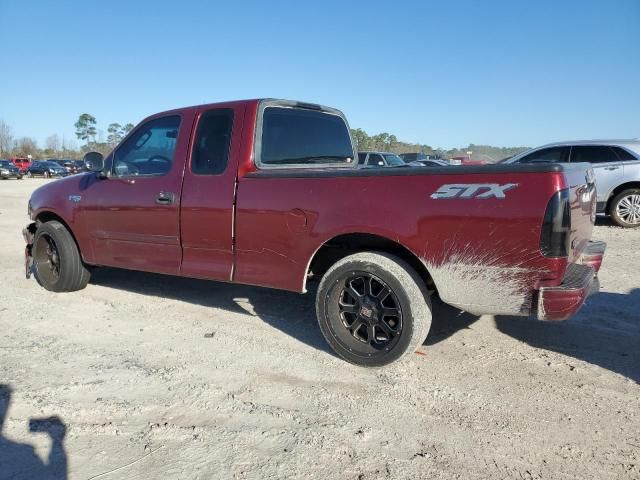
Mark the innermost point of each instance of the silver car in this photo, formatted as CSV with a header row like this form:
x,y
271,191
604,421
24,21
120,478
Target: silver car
x,y
379,159
616,164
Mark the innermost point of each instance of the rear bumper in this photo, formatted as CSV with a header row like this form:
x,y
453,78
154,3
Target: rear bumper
x,y
580,281
593,255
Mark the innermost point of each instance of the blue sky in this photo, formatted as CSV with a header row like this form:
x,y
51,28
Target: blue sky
x,y
445,73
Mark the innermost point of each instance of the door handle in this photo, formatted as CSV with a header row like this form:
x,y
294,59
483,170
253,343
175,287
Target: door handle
x,y
611,168
165,198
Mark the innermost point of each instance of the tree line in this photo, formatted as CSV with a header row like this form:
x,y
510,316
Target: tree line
x,y
86,131
385,142
55,146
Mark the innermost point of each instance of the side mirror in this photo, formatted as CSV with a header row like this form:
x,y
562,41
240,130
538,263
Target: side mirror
x,y
94,161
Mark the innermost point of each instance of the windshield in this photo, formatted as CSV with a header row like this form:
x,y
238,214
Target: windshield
x,y
393,159
5,163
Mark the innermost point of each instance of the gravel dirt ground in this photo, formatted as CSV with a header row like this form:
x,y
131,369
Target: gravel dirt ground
x,y
161,377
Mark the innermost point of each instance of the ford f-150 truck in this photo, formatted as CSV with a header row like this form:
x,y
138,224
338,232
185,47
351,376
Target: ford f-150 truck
x,y
268,192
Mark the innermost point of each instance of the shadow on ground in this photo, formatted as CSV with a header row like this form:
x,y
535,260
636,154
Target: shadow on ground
x,y
606,333
605,221
19,461
592,336
446,321
292,313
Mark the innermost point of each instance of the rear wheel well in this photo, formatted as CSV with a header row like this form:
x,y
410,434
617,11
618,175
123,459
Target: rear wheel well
x,y
617,190
348,244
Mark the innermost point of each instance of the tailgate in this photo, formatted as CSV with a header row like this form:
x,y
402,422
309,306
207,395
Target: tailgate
x,y
582,200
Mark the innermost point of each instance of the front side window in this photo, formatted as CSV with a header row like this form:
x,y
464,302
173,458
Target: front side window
x,y
150,150
211,147
595,154
362,156
296,136
547,155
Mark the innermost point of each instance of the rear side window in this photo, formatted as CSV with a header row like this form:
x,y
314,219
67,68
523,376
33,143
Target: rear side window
x,y
623,154
375,159
211,147
149,150
593,154
294,136
547,155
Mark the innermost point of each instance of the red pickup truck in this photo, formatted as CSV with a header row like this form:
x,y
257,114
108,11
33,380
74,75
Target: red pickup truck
x,y
268,192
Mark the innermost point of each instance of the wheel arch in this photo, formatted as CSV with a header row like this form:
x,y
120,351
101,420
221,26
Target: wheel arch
x,y
346,244
48,215
620,188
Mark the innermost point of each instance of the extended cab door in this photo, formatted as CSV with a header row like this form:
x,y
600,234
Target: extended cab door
x,y
133,216
208,194
277,218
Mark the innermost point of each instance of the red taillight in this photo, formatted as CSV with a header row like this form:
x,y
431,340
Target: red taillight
x,y
556,226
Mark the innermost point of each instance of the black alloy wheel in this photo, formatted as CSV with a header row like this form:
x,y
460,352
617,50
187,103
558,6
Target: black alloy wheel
x,y
369,311
47,259
373,308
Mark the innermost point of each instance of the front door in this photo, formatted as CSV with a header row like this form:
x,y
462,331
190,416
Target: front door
x,y
133,216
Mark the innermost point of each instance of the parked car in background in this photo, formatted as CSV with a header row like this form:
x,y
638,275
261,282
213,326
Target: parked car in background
x,y
9,170
616,164
69,165
21,162
413,157
466,161
46,168
80,166
434,162
379,159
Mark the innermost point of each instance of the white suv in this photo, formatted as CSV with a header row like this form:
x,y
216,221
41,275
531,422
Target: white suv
x,y
616,164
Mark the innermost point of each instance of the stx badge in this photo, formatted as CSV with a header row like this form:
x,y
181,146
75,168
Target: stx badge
x,y
473,190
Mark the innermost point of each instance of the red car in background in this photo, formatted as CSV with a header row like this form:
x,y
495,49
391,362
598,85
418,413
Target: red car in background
x,y
21,162
467,161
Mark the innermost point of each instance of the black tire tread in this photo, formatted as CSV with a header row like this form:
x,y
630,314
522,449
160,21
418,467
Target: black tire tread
x,y
415,289
73,273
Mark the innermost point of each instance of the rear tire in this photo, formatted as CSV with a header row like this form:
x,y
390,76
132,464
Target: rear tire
x,y
625,208
373,309
57,264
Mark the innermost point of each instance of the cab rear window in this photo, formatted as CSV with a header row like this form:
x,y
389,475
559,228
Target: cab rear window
x,y
303,137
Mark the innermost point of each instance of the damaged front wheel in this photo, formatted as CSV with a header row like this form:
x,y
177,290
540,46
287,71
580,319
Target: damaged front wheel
x,y
57,264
